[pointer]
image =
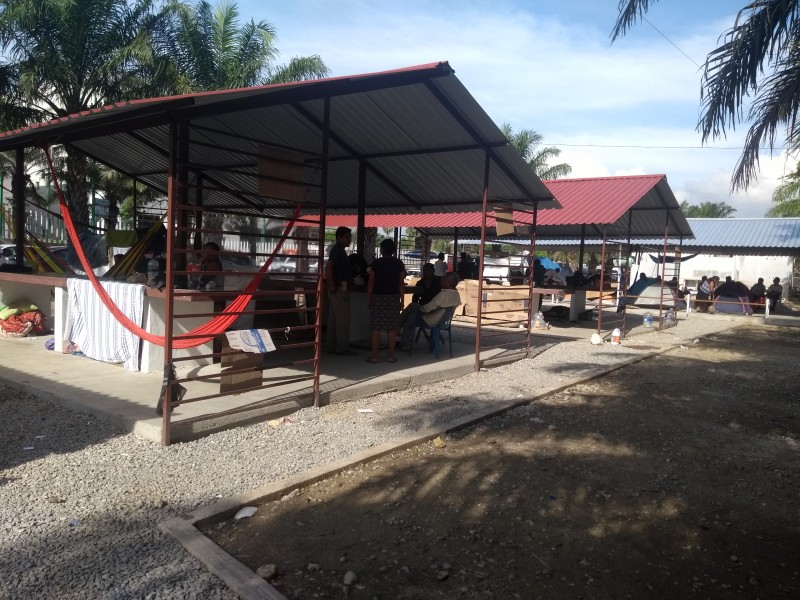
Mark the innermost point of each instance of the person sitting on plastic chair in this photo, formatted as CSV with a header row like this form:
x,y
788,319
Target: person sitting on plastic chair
x,y
436,315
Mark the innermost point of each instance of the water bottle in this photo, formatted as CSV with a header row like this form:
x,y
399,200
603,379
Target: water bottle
x,y
669,319
152,271
615,335
648,320
538,321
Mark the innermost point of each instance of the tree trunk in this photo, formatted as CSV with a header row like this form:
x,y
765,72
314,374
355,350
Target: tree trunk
x,y
77,192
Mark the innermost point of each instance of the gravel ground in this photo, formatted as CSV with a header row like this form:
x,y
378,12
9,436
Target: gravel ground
x,y
80,501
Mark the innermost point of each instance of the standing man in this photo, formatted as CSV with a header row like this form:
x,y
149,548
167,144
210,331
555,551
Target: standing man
x,y
339,281
464,267
439,267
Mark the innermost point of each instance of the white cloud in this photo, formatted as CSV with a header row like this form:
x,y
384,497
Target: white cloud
x,y
556,74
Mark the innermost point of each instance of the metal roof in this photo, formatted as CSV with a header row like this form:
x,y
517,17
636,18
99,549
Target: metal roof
x,y
636,206
421,138
742,236
739,236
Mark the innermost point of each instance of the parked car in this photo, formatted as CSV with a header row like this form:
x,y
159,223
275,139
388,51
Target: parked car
x,y
288,264
8,254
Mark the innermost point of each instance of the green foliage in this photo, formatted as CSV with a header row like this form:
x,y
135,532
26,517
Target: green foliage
x,y
68,56
708,210
213,51
528,144
786,197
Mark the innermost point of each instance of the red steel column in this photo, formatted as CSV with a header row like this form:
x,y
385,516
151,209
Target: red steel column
x,y
323,206
480,266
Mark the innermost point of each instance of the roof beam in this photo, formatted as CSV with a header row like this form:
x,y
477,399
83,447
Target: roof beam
x,y
163,152
316,90
448,106
73,129
375,171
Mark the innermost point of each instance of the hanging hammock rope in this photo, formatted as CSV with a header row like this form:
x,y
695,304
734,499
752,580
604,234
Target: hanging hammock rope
x,y
219,324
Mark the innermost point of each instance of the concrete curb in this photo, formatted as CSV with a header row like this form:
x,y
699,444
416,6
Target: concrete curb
x,y
240,578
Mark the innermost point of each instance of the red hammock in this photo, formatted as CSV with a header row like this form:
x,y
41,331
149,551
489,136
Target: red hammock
x,y
219,324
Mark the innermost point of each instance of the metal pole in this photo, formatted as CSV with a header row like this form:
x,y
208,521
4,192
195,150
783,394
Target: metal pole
x,y
663,275
172,196
529,268
480,266
362,207
602,283
323,206
18,186
134,203
2,192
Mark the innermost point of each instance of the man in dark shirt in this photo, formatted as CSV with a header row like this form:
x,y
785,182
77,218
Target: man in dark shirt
x,y
339,282
426,289
465,267
428,286
538,273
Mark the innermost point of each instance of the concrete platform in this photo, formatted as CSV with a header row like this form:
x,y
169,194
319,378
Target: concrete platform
x,y
128,399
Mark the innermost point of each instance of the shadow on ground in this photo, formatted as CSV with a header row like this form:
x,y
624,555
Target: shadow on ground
x,y
676,476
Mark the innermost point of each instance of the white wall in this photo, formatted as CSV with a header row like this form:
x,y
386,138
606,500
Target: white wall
x,y
746,269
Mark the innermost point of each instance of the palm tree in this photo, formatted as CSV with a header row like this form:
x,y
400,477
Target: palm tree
x,y
208,49
528,143
214,51
707,210
786,197
67,56
757,63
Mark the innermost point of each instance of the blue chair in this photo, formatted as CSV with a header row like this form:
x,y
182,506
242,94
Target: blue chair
x,y
432,333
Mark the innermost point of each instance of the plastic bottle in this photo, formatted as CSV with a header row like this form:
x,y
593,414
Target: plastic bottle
x,y
152,271
648,320
669,319
538,321
615,335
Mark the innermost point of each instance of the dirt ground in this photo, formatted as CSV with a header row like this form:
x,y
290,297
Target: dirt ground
x,y
677,477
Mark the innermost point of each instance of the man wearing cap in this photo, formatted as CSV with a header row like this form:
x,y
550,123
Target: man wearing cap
x,y
339,281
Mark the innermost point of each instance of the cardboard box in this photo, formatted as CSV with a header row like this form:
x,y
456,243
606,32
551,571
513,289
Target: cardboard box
x,y
250,340
242,352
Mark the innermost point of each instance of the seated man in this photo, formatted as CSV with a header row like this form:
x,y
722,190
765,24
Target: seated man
x,y
428,286
759,290
431,312
774,293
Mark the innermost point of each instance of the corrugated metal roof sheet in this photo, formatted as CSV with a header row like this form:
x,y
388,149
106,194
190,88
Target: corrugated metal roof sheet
x,y
739,236
743,235
638,205
421,135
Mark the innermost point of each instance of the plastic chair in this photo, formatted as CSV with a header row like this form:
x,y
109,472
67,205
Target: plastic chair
x,y
442,326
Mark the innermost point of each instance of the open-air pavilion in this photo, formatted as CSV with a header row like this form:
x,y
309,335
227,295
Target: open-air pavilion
x,y
404,141
605,211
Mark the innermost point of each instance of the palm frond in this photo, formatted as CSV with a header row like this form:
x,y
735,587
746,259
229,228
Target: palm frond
x,y
630,11
762,33
773,113
300,68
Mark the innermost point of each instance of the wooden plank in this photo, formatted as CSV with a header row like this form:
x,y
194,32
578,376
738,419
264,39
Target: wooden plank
x,y
236,576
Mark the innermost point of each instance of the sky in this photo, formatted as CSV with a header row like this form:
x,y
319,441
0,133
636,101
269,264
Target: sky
x,y
548,65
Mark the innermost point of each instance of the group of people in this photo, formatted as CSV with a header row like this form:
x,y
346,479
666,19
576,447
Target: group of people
x,y
385,291
710,288
467,267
